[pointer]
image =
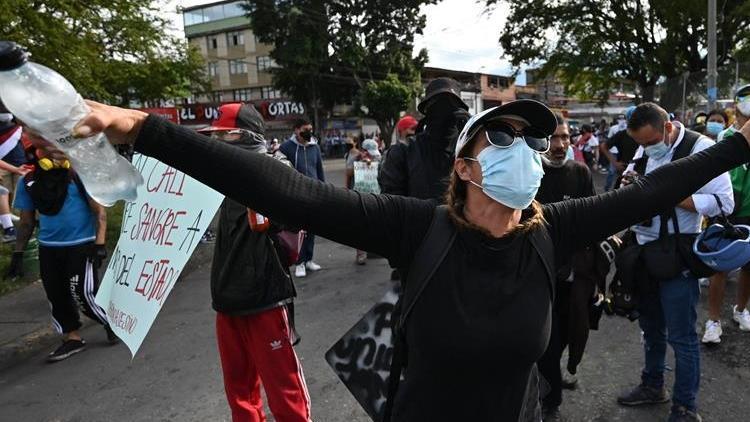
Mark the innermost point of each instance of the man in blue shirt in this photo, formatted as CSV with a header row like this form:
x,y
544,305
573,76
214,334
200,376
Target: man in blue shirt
x,y
303,152
72,229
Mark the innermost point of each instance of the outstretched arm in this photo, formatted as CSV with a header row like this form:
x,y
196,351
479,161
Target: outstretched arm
x,y
659,191
375,223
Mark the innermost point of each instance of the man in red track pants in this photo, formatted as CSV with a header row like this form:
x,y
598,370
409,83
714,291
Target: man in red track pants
x,y
251,292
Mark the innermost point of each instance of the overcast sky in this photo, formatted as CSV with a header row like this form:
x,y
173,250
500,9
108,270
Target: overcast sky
x,y
459,35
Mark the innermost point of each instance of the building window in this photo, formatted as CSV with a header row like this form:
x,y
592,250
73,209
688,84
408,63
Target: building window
x,y
235,38
212,43
498,82
213,69
216,97
213,13
241,94
265,63
268,93
237,67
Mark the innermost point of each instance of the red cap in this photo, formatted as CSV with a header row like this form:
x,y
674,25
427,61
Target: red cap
x,y
237,116
406,122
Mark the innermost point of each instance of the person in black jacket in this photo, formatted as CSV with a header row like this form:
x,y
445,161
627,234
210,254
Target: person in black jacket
x,y
482,320
574,288
420,169
251,292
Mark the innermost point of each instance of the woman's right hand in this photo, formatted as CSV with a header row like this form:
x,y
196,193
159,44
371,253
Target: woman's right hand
x,y
120,125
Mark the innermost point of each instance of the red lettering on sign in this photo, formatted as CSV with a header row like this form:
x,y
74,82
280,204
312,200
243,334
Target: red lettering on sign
x,y
155,279
155,225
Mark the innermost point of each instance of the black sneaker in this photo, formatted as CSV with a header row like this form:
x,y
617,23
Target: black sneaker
x,y
551,414
643,395
681,414
67,349
111,336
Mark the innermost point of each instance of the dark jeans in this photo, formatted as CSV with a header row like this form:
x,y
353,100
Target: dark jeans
x,y
611,177
306,252
668,315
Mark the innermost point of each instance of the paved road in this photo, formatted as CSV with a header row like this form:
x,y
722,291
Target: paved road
x,y
176,375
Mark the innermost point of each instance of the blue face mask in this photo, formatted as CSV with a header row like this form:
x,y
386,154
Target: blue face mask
x,y
713,128
510,176
657,151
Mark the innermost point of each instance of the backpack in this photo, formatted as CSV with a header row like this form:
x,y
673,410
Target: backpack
x,y
428,257
48,189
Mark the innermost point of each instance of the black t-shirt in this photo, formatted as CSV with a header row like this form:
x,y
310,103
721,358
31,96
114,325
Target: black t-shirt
x,y
572,180
483,319
626,146
475,332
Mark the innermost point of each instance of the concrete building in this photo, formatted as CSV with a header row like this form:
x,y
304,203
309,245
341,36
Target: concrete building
x,y
239,66
479,91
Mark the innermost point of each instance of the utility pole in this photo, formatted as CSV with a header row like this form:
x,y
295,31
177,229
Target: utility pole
x,y
712,91
684,92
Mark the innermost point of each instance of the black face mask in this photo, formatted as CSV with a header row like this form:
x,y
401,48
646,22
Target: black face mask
x,y
442,109
306,135
48,189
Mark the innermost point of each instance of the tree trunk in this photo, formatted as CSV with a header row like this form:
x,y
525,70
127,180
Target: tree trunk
x,y
648,92
316,111
386,132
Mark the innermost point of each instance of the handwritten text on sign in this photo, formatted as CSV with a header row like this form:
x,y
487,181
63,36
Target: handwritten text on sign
x,y
159,232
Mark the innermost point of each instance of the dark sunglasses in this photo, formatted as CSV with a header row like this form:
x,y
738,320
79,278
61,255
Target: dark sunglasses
x,y
503,135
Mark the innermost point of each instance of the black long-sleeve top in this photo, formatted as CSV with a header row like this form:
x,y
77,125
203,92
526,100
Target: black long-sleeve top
x,y
476,331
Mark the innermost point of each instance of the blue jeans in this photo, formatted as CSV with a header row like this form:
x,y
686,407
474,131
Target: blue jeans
x,y
611,177
306,251
669,316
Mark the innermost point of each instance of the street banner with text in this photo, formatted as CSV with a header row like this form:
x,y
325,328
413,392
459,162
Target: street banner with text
x,y
159,232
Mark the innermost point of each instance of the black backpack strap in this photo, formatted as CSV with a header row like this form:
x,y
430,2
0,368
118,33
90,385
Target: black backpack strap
x,y
79,185
428,257
430,254
542,242
686,145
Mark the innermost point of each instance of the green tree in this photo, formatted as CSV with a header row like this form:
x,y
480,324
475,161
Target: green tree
x,y
342,51
384,100
599,43
110,50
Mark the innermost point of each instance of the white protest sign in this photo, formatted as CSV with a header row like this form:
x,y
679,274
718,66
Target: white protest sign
x,y
159,232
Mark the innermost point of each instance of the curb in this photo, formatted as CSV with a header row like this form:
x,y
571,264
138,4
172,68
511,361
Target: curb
x,y
22,348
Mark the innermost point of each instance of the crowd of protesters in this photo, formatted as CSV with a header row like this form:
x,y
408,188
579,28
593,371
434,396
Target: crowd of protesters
x,y
445,157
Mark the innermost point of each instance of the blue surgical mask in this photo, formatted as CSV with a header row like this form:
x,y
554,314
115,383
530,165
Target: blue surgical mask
x,y
713,128
510,176
657,151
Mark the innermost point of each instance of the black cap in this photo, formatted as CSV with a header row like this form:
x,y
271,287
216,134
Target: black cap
x,y
536,115
12,55
441,86
238,116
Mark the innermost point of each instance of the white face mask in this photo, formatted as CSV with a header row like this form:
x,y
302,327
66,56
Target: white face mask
x,y
744,108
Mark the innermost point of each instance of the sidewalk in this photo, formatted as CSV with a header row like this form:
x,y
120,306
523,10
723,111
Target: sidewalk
x,y
25,321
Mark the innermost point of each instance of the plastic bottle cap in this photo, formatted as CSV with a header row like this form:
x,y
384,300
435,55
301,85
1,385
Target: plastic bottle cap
x,y
12,55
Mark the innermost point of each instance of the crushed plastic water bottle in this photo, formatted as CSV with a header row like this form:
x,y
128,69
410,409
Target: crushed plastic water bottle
x,y
47,103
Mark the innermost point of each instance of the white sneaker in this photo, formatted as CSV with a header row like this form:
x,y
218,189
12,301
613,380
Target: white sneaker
x,y
742,318
299,271
713,332
312,266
